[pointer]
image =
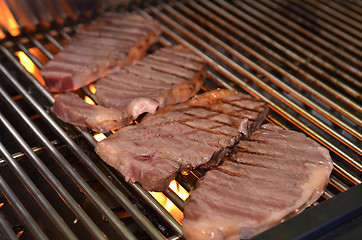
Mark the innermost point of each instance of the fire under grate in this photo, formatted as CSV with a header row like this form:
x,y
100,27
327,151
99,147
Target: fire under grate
x,y
303,59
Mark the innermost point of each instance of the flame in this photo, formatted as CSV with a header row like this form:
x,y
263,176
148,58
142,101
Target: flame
x,y
29,65
99,137
168,204
92,88
7,20
179,190
89,100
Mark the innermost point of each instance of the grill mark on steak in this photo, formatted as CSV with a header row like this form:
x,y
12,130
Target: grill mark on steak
x,y
131,81
151,74
112,32
176,60
166,68
175,143
279,171
184,54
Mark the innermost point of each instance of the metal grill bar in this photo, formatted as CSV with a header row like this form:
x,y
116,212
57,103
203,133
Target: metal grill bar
x,y
344,9
306,36
287,59
188,34
68,199
37,194
329,20
263,59
302,61
6,229
21,211
123,231
224,84
147,197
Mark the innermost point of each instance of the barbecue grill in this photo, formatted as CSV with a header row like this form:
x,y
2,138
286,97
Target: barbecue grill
x,y
303,58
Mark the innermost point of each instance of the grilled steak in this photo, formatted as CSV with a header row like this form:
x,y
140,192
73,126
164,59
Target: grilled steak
x,y
168,76
181,136
97,49
273,175
72,109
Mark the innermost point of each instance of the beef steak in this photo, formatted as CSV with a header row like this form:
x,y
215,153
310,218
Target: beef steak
x,y
181,136
270,176
97,49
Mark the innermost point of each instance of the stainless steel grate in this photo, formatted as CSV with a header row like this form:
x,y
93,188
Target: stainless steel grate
x,y
304,59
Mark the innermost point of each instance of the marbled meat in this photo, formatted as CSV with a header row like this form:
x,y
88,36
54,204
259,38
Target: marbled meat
x,y
181,137
99,48
272,175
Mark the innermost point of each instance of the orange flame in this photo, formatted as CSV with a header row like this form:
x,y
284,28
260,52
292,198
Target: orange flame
x,y
29,65
99,137
92,88
168,204
89,100
7,20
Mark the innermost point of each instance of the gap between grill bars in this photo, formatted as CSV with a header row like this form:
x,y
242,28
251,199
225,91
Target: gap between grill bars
x,y
310,84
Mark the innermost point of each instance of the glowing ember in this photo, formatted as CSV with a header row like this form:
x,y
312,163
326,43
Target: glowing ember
x,y
7,19
29,65
89,100
168,204
99,137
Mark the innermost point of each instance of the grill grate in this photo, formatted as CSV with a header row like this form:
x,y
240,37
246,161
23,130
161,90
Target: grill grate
x,y
303,59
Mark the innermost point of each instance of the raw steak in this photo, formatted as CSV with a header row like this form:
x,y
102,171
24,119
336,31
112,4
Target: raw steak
x,y
272,175
95,50
181,136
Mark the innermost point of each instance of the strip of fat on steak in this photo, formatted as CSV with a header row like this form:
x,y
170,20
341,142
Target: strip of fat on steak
x,y
181,137
99,48
70,108
272,175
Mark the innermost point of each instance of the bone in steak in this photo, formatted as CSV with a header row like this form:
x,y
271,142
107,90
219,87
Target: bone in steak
x,y
273,175
99,48
140,87
181,136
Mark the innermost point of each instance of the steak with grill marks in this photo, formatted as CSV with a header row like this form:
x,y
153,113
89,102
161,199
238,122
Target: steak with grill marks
x,y
181,137
97,49
138,88
272,175
149,84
